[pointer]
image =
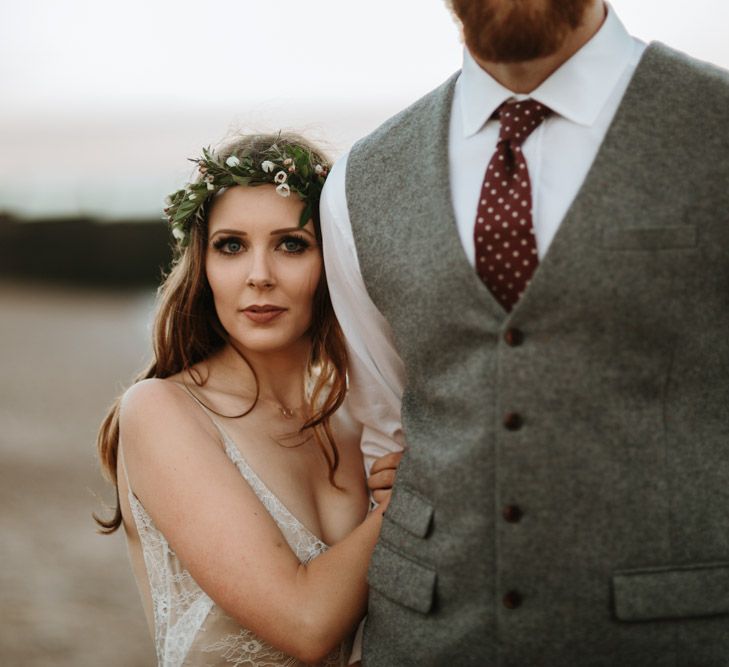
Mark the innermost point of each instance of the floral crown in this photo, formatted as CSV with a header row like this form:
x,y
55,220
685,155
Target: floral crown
x,y
290,167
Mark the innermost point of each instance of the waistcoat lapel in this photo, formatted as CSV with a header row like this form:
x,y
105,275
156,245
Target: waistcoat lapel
x,y
618,192
441,186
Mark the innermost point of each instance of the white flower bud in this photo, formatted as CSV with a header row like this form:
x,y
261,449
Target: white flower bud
x,y
284,190
178,233
318,169
287,161
211,187
280,177
232,161
267,166
192,196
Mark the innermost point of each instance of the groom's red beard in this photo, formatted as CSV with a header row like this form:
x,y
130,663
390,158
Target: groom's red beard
x,y
512,31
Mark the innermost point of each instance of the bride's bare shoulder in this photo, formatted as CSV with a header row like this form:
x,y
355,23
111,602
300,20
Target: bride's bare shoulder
x,y
162,410
153,395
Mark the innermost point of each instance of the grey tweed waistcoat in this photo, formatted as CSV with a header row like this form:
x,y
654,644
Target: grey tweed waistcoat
x,y
565,498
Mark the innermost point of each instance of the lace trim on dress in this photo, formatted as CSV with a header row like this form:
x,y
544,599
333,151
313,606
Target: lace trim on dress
x,y
302,541
246,650
179,605
239,649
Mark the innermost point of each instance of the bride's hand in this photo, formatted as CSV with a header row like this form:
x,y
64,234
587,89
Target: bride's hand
x,y
382,477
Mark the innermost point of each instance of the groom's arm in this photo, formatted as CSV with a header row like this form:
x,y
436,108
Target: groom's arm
x,y
376,370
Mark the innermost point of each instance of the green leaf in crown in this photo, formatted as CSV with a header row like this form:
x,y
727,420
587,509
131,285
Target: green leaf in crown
x,y
292,169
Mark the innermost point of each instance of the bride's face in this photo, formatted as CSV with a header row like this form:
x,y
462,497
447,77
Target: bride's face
x,y
262,268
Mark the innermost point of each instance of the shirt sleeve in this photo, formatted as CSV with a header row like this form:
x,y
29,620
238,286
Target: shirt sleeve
x,y
376,371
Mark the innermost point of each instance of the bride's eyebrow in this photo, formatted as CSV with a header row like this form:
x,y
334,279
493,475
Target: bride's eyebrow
x,y
236,232
288,230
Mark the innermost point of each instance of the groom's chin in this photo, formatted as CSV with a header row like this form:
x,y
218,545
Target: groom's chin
x,y
512,31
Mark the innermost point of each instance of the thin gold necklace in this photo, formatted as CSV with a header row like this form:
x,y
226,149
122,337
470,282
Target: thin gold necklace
x,y
286,412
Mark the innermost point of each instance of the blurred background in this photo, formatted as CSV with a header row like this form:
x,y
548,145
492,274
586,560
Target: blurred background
x,y
101,105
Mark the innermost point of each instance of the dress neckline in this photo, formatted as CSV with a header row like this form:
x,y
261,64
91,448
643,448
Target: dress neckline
x,y
234,453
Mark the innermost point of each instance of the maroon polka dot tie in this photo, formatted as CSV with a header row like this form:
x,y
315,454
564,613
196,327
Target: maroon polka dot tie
x,y
506,251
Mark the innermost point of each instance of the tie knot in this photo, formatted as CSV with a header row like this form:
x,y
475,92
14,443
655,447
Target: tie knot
x,y
519,119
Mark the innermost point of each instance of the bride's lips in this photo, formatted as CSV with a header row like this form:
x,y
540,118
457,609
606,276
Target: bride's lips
x,y
263,314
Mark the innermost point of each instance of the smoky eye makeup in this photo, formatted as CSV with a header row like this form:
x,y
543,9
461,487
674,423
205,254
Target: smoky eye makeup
x,y
228,245
294,244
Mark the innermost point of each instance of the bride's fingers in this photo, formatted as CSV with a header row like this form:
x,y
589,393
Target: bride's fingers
x,y
387,461
382,480
381,495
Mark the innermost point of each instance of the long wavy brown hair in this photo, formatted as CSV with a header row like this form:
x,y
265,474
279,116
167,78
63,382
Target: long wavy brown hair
x,y
187,331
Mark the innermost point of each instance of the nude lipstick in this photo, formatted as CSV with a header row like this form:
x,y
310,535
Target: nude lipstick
x,y
263,314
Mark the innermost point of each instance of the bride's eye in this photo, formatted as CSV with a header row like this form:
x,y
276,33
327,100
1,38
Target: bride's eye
x,y
293,245
228,245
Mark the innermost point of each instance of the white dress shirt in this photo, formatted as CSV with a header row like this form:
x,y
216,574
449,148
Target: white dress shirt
x,y
584,94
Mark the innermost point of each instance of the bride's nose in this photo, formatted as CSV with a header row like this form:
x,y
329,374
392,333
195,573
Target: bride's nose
x,y
260,274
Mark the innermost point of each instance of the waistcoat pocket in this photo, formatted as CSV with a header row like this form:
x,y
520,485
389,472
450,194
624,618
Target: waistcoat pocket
x,y
649,238
681,591
410,510
401,579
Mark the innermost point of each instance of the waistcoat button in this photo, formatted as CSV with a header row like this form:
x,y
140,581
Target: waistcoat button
x,y
514,337
512,513
513,421
512,600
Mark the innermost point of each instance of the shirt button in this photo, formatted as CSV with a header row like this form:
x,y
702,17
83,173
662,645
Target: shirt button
x,y
512,513
513,337
513,421
512,600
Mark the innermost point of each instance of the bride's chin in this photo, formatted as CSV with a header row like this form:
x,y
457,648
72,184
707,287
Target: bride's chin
x,y
275,337
261,342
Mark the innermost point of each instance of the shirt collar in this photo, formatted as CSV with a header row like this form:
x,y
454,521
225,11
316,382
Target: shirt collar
x,y
578,90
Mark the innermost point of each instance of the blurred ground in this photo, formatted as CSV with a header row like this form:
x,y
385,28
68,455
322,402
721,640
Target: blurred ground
x,y
67,596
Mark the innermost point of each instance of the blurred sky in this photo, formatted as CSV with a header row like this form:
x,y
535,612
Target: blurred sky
x,y
102,101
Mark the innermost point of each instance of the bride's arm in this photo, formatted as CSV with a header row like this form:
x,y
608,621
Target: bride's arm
x,y
226,539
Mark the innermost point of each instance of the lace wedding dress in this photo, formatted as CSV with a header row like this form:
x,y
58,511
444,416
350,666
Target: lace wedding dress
x,y
190,629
